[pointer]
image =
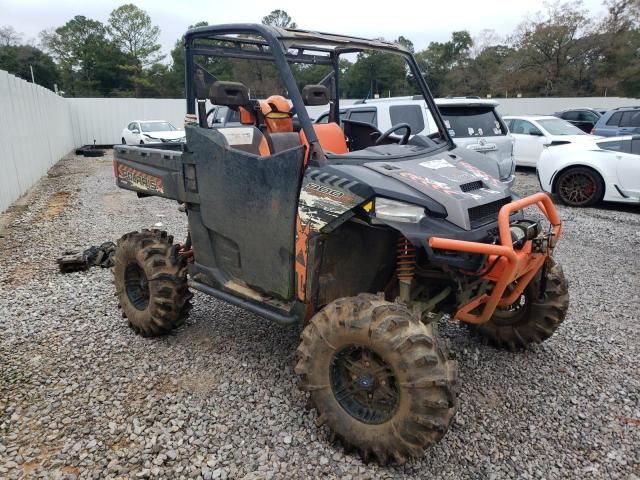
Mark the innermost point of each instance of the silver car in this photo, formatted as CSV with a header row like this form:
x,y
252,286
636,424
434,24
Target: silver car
x,y
475,124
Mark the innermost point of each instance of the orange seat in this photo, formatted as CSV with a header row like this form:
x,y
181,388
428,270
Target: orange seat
x,y
277,114
330,136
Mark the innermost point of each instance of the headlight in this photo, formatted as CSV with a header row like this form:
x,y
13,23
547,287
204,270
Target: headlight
x,y
392,210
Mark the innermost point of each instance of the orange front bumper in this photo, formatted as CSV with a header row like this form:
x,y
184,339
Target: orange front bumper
x,y
521,265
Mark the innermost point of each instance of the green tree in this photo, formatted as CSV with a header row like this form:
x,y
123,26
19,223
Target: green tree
x,y
439,58
111,78
17,59
279,18
77,46
134,33
406,43
488,72
376,73
618,70
175,76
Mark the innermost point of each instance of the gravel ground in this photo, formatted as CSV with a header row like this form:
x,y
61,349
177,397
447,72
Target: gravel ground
x,y
81,396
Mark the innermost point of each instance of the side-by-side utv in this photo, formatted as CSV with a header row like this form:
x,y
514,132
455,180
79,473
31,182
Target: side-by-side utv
x,y
365,238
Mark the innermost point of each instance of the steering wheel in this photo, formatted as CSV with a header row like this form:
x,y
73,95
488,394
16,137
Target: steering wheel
x,y
399,126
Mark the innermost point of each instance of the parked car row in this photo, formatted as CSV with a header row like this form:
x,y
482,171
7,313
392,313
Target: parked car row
x,y
581,169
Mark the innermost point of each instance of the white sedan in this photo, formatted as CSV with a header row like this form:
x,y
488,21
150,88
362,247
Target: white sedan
x,y
602,169
140,132
532,133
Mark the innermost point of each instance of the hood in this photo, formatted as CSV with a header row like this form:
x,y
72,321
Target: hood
x,y
172,135
455,183
573,138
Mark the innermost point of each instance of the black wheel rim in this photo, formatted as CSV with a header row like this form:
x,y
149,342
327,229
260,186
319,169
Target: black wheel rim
x,y
577,188
137,286
364,384
514,313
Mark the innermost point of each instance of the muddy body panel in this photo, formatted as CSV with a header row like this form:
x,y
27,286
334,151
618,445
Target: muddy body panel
x,y
460,198
241,208
247,209
150,171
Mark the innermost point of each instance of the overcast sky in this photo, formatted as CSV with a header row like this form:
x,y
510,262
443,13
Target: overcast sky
x,y
422,21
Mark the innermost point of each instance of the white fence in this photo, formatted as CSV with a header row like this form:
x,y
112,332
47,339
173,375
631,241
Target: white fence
x,y
102,119
34,134
549,105
37,127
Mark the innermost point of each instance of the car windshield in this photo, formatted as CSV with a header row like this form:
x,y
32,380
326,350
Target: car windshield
x,y
157,127
556,126
471,121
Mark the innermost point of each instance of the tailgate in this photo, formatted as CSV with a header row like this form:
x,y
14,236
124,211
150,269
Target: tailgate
x,y
149,171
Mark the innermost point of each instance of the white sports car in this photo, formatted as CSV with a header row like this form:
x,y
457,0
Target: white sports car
x,y
140,132
532,133
582,174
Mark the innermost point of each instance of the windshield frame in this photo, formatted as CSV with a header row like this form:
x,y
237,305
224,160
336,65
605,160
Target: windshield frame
x,y
277,44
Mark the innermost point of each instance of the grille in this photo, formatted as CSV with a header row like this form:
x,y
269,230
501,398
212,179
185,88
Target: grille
x,y
486,213
471,186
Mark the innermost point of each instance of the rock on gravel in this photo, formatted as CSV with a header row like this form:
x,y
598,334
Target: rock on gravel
x,y
81,396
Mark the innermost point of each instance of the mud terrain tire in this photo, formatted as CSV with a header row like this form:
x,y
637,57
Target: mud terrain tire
x,y
530,320
93,152
151,282
367,346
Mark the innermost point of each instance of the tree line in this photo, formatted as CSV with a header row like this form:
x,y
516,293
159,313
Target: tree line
x,y
560,51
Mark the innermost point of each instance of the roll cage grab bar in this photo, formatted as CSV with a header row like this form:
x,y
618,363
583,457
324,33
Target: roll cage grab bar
x,y
301,41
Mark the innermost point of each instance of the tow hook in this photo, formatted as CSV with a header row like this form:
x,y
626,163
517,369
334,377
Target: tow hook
x,y
543,281
543,243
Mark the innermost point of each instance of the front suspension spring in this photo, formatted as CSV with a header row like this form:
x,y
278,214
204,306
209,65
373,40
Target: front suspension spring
x,y
406,260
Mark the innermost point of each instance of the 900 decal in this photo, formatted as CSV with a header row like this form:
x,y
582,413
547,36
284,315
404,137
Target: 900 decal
x,y
140,180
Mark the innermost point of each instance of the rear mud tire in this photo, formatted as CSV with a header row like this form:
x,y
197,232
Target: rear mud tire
x,y
536,320
151,282
418,370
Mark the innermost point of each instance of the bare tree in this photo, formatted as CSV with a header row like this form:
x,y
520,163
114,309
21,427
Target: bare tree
x,y
554,44
9,36
487,37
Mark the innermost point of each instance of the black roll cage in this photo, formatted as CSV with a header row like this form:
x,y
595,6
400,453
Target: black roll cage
x,y
300,42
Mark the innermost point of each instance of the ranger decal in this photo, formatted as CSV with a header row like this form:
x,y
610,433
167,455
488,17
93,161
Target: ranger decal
x,y
140,180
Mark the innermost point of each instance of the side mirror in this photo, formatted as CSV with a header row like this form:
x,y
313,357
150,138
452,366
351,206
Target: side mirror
x,y
135,130
536,133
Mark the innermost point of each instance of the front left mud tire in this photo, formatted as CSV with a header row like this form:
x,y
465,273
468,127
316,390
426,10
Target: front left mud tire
x,y
151,282
379,378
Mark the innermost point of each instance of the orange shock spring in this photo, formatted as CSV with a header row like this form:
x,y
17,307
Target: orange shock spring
x,y
406,260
